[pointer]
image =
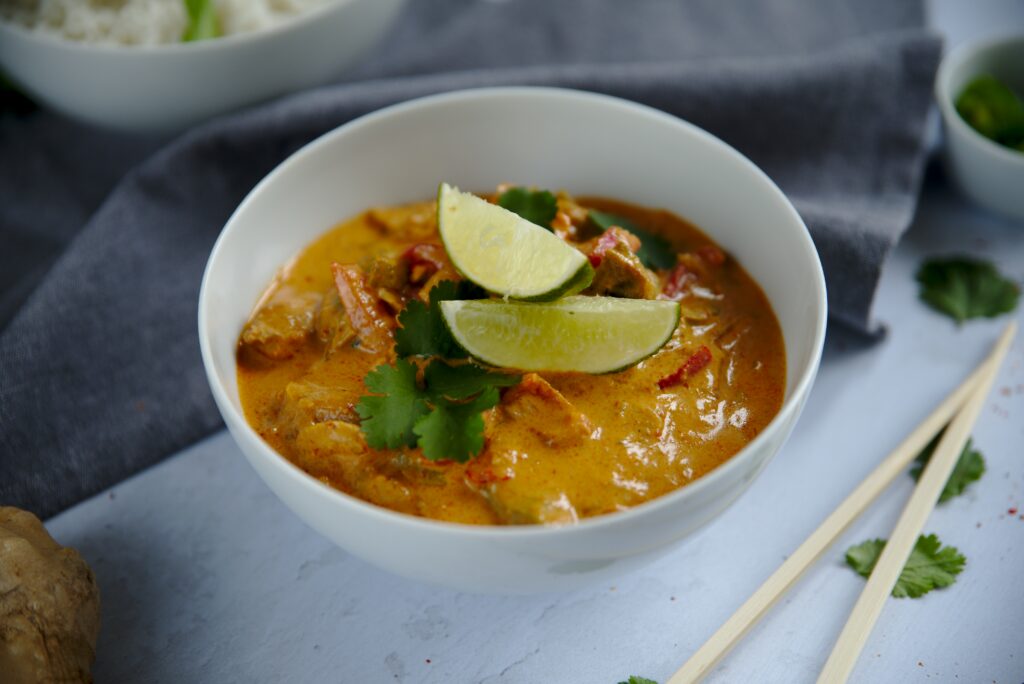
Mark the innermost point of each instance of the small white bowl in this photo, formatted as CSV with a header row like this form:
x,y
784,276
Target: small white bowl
x,y
589,144
169,87
989,173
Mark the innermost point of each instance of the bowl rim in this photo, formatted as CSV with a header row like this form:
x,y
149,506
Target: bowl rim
x,y
791,406
951,65
193,47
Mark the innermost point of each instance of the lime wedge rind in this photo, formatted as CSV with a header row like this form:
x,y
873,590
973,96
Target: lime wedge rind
x,y
506,254
581,334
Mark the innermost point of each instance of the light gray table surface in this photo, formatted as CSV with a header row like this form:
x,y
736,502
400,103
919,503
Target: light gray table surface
x,y
206,577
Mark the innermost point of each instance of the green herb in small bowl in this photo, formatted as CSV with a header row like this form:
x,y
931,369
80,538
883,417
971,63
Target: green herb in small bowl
x,y
994,110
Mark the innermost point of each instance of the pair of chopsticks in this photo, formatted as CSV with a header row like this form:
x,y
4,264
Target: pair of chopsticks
x,y
962,408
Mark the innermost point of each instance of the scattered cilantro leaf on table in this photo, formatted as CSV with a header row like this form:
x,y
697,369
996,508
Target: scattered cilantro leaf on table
x,y
655,251
638,680
536,206
389,415
455,430
203,22
464,380
969,468
423,331
930,566
965,288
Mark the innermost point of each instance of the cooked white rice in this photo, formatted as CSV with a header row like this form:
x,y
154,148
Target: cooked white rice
x,y
142,22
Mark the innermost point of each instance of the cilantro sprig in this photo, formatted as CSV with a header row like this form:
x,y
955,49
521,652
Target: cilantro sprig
x,y
441,408
638,680
440,412
930,566
389,419
965,288
463,381
655,251
455,430
423,331
536,206
969,468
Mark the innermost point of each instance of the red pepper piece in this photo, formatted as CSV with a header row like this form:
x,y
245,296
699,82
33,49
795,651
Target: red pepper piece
x,y
608,240
369,320
677,280
426,254
696,363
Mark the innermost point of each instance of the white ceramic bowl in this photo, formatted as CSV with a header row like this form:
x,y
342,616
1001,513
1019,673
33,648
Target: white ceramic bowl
x,y
987,172
586,143
169,87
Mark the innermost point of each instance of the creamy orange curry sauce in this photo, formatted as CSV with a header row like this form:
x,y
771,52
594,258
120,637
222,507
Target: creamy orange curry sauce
x,y
559,446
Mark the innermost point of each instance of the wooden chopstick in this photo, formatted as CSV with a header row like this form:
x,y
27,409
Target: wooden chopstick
x,y
897,550
722,641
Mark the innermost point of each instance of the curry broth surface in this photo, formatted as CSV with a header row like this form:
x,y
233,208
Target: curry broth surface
x,y
642,441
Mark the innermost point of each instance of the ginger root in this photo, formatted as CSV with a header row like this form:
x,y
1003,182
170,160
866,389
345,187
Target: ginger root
x,y
49,605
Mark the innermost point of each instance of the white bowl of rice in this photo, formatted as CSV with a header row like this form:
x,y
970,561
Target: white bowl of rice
x,y
123,64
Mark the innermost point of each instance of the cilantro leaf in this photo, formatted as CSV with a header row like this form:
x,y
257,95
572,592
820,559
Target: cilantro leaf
x,y
655,251
930,566
969,468
423,331
388,420
203,22
464,380
536,206
638,680
964,288
455,431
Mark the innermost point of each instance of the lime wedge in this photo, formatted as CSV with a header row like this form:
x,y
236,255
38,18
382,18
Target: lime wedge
x,y
586,334
506,254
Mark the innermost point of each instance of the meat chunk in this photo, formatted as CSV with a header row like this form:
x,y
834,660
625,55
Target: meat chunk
x,y
331,326
371,324
330,446
281,324
336,450
386,270
514,508
497,476
621,274
415,222
608,240
305,403
544,410
618,271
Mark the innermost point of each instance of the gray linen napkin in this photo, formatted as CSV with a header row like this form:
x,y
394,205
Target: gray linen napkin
x,y
99,369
